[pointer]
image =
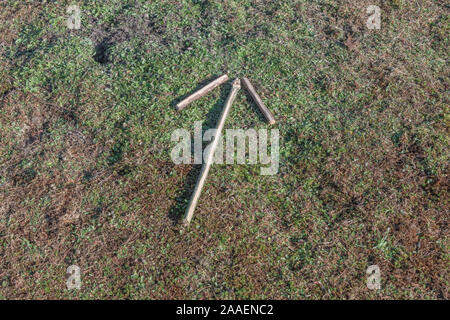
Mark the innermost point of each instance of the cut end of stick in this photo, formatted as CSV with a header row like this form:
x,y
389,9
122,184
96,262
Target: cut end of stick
x,y
179,107
237,83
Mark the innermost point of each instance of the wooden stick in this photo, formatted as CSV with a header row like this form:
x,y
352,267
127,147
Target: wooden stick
x,y
210,156
265,111
201,92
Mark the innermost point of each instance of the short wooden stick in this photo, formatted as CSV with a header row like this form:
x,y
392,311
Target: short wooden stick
x,y
265,111
210,156
201,92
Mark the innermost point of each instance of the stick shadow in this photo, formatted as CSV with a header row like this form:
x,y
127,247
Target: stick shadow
x,y
251,102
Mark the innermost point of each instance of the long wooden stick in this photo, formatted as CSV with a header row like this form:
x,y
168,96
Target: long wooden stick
x,y
210,156
265,111
201,92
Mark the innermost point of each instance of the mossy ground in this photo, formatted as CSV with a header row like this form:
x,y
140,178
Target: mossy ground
x,y
86,177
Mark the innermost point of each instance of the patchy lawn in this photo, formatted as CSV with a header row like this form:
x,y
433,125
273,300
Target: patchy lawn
x,y
86,177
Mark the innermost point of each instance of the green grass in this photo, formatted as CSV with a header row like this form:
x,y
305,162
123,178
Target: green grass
x,y
86,178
